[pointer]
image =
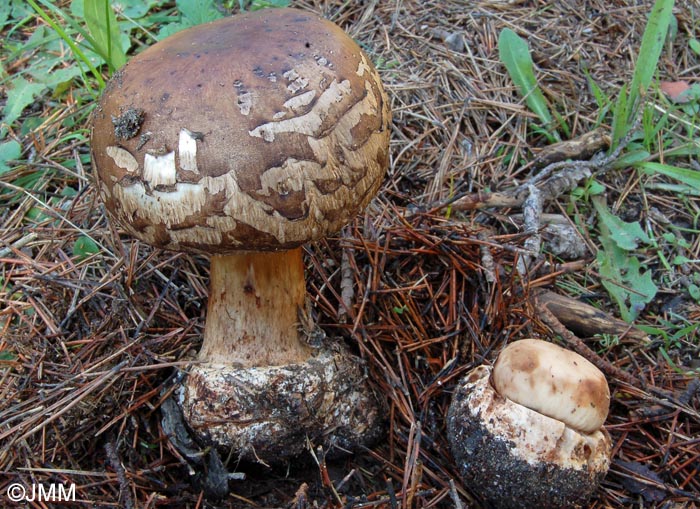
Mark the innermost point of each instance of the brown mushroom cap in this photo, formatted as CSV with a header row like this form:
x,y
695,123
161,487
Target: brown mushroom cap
x,y
553,381
261,131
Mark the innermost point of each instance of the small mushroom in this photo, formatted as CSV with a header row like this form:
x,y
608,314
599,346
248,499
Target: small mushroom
x,y
248,137
529,432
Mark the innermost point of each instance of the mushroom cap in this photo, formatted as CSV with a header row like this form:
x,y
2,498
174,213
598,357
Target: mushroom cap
x,y
261,131
513,456
553,381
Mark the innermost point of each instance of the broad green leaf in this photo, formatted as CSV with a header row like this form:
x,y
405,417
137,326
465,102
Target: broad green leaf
x,y
515,55
46,39
12,11
681,260
20,95
256,5
622,277
133,9
694,44
694,290
166,30
9,150
52,77
631,157
595,188
29,124
625,235
692,94
193,12
620,270
8,356
84,246
37,215
5,9
653,42
102,23
197,12
687,176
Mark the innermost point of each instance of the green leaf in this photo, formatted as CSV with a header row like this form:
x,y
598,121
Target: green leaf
x,y
687,176
669,237
20,95
8,356
602,100
5,10
102,23
256,5
653,42
626,236
620,270
681,260
84,246
29,124
624,280
193,12
133,9
595,188
694,44
619,121
67,38
197,12
37,215
694,292
9,150
631,157
52,77
515,55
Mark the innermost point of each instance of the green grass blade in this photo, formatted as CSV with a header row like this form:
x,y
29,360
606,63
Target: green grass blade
x,y
515,55
653,42
561,122
603,101
69,41
619,121
67,19
102,23
689,177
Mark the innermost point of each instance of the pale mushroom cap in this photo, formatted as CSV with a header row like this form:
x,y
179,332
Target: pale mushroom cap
x,y
554,381
517,457
260,131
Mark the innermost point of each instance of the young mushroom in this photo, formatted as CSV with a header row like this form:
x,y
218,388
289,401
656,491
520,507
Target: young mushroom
x,y
529,432
244,139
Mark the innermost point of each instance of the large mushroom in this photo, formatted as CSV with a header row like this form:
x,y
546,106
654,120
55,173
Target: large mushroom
x,y
529,432
244,139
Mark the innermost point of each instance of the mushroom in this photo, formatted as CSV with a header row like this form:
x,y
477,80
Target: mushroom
x,y
529,432
244,139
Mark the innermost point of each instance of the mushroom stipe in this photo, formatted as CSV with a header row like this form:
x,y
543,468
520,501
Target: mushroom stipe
x,y
243,139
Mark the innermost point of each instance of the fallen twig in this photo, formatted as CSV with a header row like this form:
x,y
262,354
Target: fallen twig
x,y
582,349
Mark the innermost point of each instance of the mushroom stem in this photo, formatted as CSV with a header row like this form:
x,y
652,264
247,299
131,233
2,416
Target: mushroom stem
x,y
253,313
